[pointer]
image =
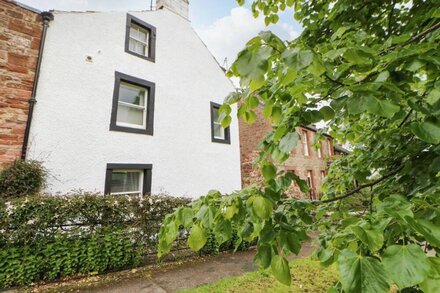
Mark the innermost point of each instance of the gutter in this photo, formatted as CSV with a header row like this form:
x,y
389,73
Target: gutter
x,y
46,17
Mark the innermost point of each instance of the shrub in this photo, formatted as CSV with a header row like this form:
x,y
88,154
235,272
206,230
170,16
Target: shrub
x,y
48,237
22,178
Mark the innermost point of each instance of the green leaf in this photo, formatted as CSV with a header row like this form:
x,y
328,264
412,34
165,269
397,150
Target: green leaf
x,y
383,76
382,108
222,230
430,230
262,207
327,112
197,238
432,281
264,255
289,142
280,269
297,59
269,171
185,217
362,274
226,121
290,241
407,265
427,131
372,238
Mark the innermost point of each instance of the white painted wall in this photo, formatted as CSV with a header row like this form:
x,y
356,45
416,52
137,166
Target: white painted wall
x,y
70,130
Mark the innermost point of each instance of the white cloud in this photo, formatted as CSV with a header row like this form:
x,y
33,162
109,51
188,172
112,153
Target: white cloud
x,y
229,34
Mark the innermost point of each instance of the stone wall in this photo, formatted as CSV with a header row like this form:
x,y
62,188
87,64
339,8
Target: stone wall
x,y
20,33
252,135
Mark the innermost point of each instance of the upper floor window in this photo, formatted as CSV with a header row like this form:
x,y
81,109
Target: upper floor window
x,y
128,179
305,142
310,183
133,105
218,133
140,39
330,147
319,150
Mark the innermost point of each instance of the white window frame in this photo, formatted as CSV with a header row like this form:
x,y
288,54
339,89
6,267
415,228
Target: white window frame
x,y
305,142
129,105
147,32
141,180
310,179
319,150
329,145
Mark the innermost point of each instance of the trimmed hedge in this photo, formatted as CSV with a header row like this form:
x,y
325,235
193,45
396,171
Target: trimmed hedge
x,y
44,238
49,237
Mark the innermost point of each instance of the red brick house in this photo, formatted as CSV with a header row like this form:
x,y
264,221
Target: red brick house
x,y
305,161
21,32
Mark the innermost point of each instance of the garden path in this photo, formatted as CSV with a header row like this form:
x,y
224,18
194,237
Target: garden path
x,y
188,275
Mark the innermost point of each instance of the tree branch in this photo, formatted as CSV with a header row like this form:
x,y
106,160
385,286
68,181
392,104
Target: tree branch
x,y
406,118
416,37
360,187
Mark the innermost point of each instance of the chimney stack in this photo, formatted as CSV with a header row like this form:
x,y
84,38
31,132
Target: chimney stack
x,y
180,7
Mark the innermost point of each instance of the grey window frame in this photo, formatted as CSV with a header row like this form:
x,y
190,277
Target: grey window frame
x,y
227,139
149,125
151,40
146,184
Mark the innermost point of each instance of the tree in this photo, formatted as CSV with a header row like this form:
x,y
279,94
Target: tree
x,y
370,70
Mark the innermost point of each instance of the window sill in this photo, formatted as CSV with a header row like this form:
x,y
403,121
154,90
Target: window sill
x,y
151,59
131,129
224,141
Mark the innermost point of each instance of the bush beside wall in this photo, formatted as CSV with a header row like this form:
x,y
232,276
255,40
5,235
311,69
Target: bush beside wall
x,y
22,178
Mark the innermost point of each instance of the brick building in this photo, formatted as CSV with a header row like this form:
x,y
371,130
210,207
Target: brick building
x,y
20,39
305,161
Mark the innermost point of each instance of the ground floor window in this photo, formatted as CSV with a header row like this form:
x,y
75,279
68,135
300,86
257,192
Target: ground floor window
x,y
128,179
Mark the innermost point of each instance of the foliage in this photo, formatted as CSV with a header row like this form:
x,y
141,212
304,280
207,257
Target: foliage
x,y
92,253
48,237
370,71
308,276
22,178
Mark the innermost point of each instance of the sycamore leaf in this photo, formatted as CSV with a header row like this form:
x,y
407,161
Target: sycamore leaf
x,y
372,238
262,207
197,238
407,265
362,274
431,284
288,142
264,255
269,171
280,269
427,131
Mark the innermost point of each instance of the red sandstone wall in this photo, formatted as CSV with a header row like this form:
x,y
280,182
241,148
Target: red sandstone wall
x,y
250,137
20,33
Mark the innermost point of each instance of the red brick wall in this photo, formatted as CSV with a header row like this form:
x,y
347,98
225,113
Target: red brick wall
x,y
250,137
20,33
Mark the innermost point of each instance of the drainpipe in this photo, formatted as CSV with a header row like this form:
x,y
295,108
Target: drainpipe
x,y
46,18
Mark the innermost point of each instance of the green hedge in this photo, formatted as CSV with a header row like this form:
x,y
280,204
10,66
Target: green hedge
x,y
43,238
49,237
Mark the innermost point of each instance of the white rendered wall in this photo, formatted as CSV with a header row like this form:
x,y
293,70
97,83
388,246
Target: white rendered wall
x,y
70,130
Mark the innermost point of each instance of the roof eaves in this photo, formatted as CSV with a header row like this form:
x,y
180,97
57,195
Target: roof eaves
x,y
25,6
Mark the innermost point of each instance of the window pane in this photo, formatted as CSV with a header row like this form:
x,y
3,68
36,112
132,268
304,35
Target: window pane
x,y
132,94
126,181
219,132
130,115
133,32
141,49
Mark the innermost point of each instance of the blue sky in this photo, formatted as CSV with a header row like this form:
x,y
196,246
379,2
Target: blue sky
x,y
222,25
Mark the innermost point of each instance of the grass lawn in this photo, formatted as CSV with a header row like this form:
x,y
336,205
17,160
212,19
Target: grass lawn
x,y
307,276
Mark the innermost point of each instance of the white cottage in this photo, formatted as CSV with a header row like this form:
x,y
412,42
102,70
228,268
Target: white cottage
x,y
127,104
